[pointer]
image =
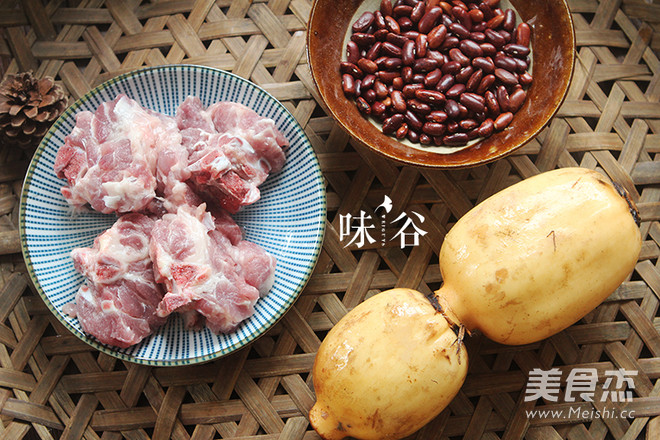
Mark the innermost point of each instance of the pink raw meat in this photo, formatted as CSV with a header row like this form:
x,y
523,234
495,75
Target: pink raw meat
x,y
231,151
118,302
110,157
211,275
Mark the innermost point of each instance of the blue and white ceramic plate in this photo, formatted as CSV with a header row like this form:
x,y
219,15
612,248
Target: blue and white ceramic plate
x,y
288,220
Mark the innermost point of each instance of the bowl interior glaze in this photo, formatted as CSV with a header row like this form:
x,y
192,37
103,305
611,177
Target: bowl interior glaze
x,y
553,57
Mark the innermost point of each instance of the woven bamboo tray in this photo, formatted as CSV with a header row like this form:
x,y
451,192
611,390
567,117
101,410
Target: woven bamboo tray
x,y
54,386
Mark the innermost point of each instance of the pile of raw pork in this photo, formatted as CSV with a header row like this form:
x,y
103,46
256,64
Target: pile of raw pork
x,y
173,183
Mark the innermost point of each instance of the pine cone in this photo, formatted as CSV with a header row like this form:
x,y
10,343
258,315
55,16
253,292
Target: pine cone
x,y
28,107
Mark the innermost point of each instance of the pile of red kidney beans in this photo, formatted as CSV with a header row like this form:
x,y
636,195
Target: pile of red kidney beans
x,y
438,72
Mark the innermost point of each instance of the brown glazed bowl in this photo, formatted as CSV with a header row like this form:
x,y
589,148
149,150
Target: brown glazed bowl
x,y
553,57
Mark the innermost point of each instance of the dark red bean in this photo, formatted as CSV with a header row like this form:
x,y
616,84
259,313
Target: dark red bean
x,y
462,16
397,83
381,34
495,22
437,55
424,139
505,62
392,123
396,39
381,90
503,98
455,139
352,52
391,50
509,21
402,131
402,10
470,48
468,124
451,67
450,41
464,74
456,54
445,83
363,39
405,24
459,30
374,51
408,53
455,91
368,81
428,20
386,7
453,127
430,96
425,64
521,65
495,38
410,89
398,101
369,95
351,69
526,79
506,77
378,109
491,103
421,45
516,100
476,15
363,22
516,50
438,116
485,84
473,102
437,36
485,64
489,50
418,106
418,11
486,128
432,78
452,109
367,65
413,121
522,34
502,121
434,129
363,106
348,84
391,63
413,136
474,80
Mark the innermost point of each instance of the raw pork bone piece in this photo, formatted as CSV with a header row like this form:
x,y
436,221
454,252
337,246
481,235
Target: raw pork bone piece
x,y
211,274
118,302
110,157
231,149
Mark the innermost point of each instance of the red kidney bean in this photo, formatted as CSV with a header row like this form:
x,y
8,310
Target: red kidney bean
x,y
502,121
450,41
522,34
402,131
392,123
464,74
368,81
486,128
486,10
407,74
470,48
459,30
434,129
438,56
432,78
428,20
352,52
369,95
505,62
418,78
503,98
494,38
418,11
348,84
386,7
468,124
351,69
516,50
398,101
446,7
421,45
413,121
418,106
425,64
453,127
402,10
413,136
445,83
452,109
432,97
526,79
474,80
495,22
485,84
408,53
410,89
438,116
437,36
476,15
488,49
374,51
455,54
378,109
509,21
363,106
396,39
506,77
462,16
363,40
491,103
381,34
389,49
455,139
405,24
455,91
391,64
516,100
381,90
363,22
485,64
397,83
505,35
424,139
473,102
451,67
367,65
